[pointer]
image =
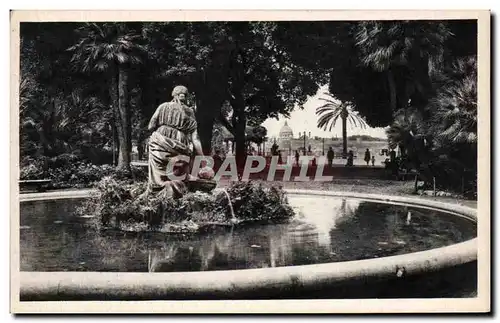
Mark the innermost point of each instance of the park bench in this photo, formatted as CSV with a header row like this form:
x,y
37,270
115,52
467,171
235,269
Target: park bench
x,y
40,185
139,163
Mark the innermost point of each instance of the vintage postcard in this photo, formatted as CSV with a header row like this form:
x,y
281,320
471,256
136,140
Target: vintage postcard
x,y
250,162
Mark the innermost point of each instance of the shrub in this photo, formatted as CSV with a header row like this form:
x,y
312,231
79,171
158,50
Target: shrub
x,y
34,168
254,202
70,171
120,204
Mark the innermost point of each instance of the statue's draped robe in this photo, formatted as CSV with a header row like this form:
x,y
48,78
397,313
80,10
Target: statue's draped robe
x,y
174,124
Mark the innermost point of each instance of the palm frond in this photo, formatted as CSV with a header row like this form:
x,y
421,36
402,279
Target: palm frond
x,y
334,121
328,118
121,57
331,111
329,101
454,108
327,107
357,121
101,65
101,44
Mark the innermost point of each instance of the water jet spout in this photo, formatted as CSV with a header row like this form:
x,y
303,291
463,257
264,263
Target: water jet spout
x,y
408,218
233,216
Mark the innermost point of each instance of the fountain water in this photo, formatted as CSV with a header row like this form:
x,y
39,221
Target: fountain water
x,y
408,218
234,220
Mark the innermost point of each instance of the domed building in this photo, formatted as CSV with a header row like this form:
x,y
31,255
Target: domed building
x,y
285,138
286,132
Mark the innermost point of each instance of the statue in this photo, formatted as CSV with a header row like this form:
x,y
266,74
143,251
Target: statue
x,y
174,133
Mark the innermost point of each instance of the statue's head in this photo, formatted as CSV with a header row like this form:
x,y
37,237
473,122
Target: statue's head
x,y
180,93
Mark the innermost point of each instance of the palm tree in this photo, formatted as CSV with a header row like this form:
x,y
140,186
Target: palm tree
x,y
59,124
407,127
111,49
454,125
409,131
409,50
36,118
444,135
331,111
455,105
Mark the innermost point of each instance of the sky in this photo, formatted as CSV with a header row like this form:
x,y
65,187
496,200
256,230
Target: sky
x,y
306,119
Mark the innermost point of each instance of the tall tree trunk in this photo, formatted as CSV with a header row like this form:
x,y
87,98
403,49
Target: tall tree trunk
x,y
118,124
239,124
392,90
113,93
240,142
210,95
206,110
116,143
125,129
143,123
344,135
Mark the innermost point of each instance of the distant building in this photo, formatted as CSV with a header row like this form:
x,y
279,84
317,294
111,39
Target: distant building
x,y
286,132
285,138
288,144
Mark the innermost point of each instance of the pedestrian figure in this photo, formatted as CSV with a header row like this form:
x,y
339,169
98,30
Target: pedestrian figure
x,y
373,160
330,156
350,158
367,156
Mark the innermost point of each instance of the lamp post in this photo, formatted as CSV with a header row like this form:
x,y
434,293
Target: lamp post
x,y
304,143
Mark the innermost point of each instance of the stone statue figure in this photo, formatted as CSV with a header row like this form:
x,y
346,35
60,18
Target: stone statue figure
x,y
174,133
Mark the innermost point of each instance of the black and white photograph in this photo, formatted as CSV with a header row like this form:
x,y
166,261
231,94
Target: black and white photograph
x,y
195,159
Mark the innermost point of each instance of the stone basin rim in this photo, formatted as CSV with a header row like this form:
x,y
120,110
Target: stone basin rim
x,y
84,285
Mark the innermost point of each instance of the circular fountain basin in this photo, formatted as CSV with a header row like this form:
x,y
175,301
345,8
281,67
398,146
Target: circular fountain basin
x,y
340,245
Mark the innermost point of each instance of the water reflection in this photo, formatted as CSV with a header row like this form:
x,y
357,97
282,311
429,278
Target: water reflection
x,y
324,230
320,215
257,247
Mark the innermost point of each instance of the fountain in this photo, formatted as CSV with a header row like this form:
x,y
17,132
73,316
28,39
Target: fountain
x,y
178,196
337,245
